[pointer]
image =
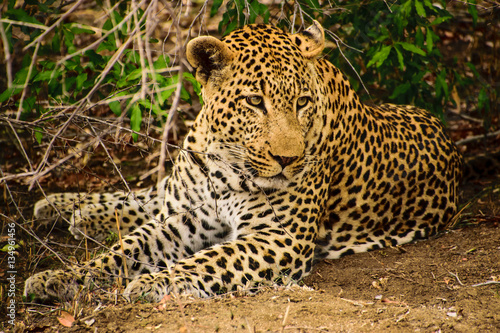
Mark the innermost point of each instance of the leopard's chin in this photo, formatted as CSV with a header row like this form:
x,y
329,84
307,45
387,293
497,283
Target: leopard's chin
x,y
277,182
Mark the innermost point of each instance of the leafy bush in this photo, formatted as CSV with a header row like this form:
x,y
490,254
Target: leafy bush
x,y
109,69
389,48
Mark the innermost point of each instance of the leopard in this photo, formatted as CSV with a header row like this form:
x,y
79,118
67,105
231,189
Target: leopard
x,y
283,166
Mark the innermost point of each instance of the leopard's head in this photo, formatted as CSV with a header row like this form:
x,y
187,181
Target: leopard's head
x,y
261,92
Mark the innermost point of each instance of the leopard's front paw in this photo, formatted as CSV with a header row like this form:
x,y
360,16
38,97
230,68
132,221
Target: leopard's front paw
x,y
149,287
52,285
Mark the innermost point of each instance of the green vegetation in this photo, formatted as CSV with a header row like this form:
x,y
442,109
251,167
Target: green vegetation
x,y
116,66
56,62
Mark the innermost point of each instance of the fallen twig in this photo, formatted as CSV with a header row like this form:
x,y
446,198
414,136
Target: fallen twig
x,y
485,283
477,137
456,277
357,303
285,317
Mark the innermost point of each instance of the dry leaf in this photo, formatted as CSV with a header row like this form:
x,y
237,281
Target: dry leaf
x,y
66,319
163,303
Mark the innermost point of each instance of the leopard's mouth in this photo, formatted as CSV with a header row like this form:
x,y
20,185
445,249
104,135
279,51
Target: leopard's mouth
x,y
280,177
279,181
251,173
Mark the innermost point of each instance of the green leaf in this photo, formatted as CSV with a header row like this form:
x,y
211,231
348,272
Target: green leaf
x,y
196,85
380,56
134,75
406,8
89,82
215,7
400,59
483,101
108,25
71,64
135,120
47,64
122,82
29,104
474,70
473,11
428,40
79,29
441,19
256,9
185,96
420,9
161,62
68,40
428,4
419,39
80,80
441,84
56,42
412,48
418,77
240,7
132,57
165,94
94,58
115,107
151,106
38,135
160,79
382,35
231,26
47,75
400,90
107,45
70,82
21,15
22,74
8,93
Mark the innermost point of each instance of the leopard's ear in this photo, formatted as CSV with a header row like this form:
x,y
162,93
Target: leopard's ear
x,y
207,55
310,41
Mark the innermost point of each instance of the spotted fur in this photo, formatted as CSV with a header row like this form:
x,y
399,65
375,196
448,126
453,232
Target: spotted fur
x,y
283,165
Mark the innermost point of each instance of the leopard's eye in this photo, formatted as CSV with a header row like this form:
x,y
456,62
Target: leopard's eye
x,y
254,100
302,101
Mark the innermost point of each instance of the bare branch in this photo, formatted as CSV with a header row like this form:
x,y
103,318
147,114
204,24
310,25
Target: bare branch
x,y
6,51
25,86
23,24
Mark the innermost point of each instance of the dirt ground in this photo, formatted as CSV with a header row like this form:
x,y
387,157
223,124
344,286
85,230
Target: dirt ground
x,y
438,285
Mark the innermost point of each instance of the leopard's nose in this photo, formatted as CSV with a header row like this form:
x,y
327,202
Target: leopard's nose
x,y
284,161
